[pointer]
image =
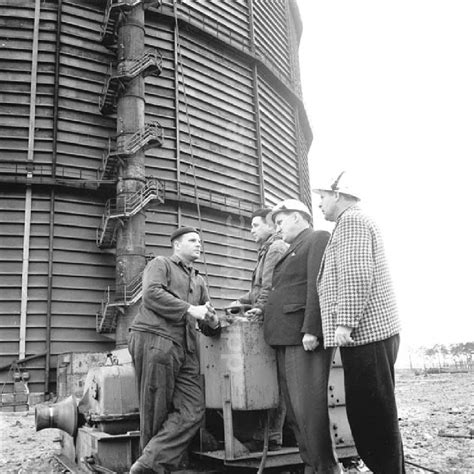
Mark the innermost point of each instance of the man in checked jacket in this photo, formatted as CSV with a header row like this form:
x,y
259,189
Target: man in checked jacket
x,y
359,314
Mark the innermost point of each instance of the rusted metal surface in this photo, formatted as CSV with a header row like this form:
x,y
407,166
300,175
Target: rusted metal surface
x,y
242,355
339,423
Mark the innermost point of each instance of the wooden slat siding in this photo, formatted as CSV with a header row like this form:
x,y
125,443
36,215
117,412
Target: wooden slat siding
x,y
232,17
11,237
208,64
18,59
82,131
305,187
231,134
80,82
15,74
160,224
160,106
230,254
11,255
293,46
271,39
81,273
280,159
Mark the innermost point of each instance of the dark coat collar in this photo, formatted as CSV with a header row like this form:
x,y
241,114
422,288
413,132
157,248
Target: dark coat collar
x,y
187,268
300,238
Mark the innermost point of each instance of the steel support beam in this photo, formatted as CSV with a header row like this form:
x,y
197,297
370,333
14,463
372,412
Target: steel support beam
x,y
28,195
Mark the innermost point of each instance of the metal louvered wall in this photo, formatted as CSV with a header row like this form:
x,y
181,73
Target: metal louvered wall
x,y
229,102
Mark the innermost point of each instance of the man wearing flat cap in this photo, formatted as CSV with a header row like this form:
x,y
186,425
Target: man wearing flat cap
x,y
163,345
292,325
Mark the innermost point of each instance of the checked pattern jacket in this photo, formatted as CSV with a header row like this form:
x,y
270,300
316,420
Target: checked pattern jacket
x,y
354,283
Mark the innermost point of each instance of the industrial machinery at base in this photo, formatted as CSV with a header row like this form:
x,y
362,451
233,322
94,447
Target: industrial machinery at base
x,y
239,372
101,430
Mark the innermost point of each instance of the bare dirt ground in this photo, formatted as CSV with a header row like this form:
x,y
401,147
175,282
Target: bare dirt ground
x,y
428,405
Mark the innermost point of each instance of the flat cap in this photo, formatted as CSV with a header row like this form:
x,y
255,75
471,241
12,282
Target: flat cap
x,y
182,231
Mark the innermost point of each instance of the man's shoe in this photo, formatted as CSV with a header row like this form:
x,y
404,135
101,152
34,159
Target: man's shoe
x,y
274,445
139,468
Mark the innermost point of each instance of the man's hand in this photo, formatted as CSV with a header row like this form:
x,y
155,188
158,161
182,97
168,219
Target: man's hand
x,y
204,312
343,335
198,312
310,342
254,314
211,317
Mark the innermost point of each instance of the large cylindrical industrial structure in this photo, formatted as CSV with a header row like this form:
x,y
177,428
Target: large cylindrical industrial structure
x,y
119,121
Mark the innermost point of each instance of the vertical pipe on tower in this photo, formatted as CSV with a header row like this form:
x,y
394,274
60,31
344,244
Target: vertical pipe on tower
x,y
130,249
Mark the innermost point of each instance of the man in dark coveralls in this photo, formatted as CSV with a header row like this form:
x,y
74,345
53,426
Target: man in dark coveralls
x,y
292,325
163,345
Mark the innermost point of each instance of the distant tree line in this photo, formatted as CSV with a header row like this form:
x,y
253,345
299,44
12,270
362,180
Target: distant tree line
x,y
458,356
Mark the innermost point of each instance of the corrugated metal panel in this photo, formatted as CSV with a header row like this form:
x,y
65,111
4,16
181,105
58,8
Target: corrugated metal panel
x,y
160,103
294,54
229,19
82,131
271,35
16,32
160,224
11,237
230,254
280,160
216,109
305,188
80,272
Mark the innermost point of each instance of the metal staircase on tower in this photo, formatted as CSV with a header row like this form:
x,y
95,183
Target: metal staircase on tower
x,y
112,304
129,206
119,151
113,10
151,136
149,64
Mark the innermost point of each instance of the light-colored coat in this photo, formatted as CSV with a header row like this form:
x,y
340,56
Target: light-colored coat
x,y
268,255
354,283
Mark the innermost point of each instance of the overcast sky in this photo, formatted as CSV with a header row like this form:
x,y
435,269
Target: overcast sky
x,y
389,90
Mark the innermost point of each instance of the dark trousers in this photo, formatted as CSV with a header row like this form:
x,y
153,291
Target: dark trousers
x,y
369,378
170,396
303,377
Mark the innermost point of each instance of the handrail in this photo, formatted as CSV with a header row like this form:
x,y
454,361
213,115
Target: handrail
x,y
132,67
131,293
131,205
210,196
113,8
150,135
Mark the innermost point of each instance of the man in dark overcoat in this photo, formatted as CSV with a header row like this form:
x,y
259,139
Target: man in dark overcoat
x,y
292,325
